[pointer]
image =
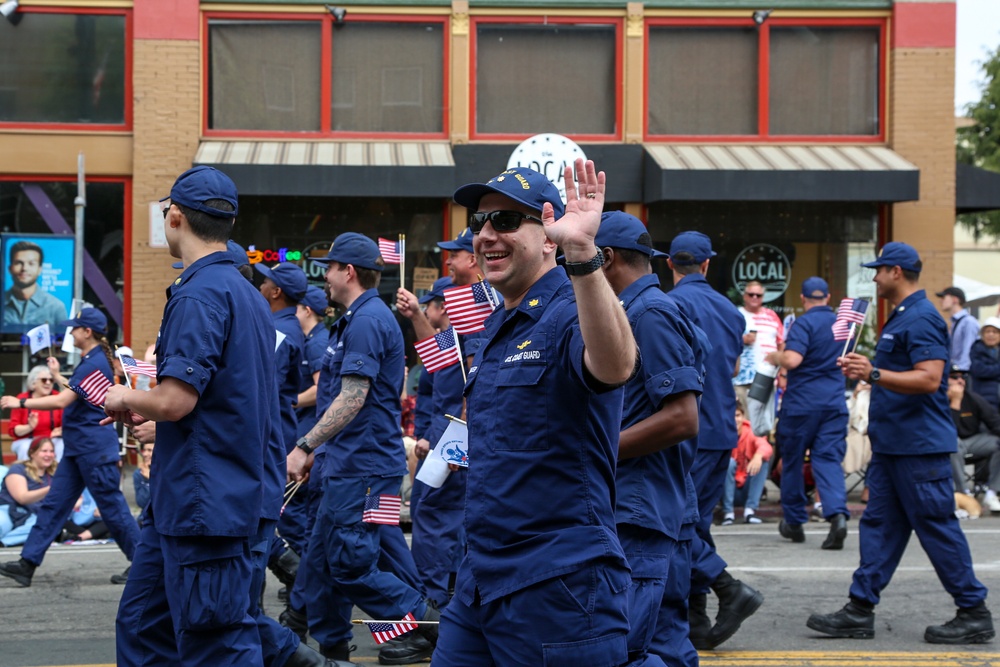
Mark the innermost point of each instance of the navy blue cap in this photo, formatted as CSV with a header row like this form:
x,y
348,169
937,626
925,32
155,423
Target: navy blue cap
x,y
199,184
621,230
815,287
896,253
521,184
90,318
235,249
289,277
462,242
316,299
695,244
353,248
437,289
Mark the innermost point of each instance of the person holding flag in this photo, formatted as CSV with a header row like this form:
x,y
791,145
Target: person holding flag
x,y
909,477
544,402
90,455
813,417
360,385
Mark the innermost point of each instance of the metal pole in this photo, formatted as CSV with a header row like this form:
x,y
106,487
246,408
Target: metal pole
x,y
81,204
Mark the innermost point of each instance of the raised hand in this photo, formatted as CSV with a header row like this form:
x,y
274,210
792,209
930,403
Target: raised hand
x,y
574,232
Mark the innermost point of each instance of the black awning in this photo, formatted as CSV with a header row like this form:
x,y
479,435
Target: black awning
x,y
976,189
334,169
777,173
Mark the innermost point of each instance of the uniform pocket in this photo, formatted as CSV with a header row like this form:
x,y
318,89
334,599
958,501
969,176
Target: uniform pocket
x,y
605,651
935,489
215,595
523,416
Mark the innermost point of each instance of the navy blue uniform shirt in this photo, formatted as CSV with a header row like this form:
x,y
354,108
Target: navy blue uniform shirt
x,y
312,362
653,489
82,434
816,383
425,400
722,322
217,337
912,424
366,342
288,371
542,449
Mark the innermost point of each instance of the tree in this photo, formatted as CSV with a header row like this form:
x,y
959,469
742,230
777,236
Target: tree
x,y
979,144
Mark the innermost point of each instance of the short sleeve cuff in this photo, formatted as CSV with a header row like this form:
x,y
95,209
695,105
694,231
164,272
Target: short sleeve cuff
x,y
359,364
796,345
187,371
673,381
930,353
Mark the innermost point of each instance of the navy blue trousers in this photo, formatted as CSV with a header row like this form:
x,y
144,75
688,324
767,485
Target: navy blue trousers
x,y
824,434
277,642
672,641
913,494
709,476
187,602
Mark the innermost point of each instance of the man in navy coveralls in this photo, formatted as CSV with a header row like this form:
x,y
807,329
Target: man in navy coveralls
x,y
909,478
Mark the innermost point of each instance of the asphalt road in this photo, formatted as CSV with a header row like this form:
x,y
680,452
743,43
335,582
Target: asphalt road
x,y
67,616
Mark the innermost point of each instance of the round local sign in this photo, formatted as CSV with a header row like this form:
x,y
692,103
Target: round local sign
x,y
767,265
548,154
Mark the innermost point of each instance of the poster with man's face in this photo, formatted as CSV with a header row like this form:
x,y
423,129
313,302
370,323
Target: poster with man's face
x,y
37,280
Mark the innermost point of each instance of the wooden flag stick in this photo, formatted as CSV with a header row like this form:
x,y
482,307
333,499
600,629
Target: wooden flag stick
x,y
365,621
128,380
850,334
862,328
402,261
458,348
456,419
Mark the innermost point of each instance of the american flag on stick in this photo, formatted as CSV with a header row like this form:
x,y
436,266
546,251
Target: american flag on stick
x,y
94,387
468,306
849,311
382,508
390,251
383,632
438,351
133,367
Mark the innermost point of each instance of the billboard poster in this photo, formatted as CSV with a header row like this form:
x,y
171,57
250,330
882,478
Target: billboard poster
x,y
37,280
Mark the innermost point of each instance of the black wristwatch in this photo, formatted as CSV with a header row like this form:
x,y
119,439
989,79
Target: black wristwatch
x,y
22,402
584,268
874,376
303,444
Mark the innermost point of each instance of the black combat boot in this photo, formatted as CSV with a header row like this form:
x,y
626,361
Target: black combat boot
x,y
970,626
699,622
20,571
792,531
838,533
855,621
737,603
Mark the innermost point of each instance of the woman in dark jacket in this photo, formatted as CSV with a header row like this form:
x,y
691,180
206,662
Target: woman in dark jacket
x,y
985,370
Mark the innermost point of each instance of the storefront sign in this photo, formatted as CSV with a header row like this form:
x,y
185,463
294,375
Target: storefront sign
x,y
548,154
423,278
767,265
280,255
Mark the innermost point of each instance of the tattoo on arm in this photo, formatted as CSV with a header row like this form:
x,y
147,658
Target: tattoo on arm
x,y
345,407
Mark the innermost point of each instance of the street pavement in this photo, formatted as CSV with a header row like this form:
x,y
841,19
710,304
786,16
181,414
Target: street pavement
x,y
67,616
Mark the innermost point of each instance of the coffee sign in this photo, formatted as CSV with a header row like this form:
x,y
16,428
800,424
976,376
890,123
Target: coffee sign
x,y
767,265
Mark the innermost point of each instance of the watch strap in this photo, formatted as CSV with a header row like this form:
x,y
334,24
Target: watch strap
x,y
303,444
585,268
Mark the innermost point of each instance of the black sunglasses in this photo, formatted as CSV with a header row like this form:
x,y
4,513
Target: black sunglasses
x,y
502,221
755,295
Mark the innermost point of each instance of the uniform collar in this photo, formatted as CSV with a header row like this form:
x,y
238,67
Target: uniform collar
x,y
692,278
362,299
909,301
285,313
542,292
219,257
632,292
315,330
818,309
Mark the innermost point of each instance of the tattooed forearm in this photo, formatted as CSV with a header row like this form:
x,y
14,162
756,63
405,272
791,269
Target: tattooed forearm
x,y
353,391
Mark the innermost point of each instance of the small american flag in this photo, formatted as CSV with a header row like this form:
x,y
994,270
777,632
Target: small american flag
x,y
850,311
94,387
438,351
383,632
382,509
390,250
132,366
469,306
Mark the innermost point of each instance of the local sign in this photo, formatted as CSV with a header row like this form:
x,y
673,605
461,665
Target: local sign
x,y
767,265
